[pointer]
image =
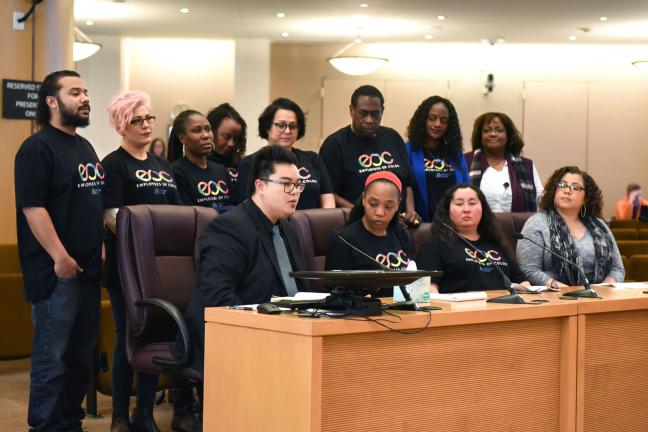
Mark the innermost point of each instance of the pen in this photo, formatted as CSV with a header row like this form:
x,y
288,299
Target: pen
x,y
250,308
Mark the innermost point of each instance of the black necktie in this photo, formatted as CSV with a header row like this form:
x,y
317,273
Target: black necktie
x,y
284,261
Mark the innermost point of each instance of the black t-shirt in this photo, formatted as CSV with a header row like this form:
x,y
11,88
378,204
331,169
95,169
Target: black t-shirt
x,y
230,165
132,181
62,174
350,159
439,176
393,250
311,171
463,269
208,187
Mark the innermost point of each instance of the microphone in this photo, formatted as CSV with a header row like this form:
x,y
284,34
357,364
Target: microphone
x,y
587,292
513,297
408,304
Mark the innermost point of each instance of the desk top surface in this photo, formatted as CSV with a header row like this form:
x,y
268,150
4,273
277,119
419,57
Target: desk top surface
x,y
452,313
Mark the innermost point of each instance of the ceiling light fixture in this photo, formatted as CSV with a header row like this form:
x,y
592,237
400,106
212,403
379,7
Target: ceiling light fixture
x,y
83,46
429,36
285,34
642,65
363,5
572,38
603,18
355,65
89,23
281,15
441,17
184,10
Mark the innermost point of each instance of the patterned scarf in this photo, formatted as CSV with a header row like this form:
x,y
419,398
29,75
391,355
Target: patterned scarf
x,y
522,186
563,244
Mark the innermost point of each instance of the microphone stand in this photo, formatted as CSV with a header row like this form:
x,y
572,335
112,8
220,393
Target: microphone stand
x,y
587,292
513,297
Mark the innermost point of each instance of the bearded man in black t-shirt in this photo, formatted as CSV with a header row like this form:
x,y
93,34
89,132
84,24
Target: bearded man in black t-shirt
x,y
59,182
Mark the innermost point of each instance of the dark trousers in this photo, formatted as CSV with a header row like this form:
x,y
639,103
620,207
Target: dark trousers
x,y
122,374
66,327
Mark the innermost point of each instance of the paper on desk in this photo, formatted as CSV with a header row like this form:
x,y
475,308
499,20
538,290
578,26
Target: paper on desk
x,y
457,297
303,295
534,288
636,285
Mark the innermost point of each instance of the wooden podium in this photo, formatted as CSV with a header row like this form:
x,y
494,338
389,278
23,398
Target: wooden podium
x,y
565,365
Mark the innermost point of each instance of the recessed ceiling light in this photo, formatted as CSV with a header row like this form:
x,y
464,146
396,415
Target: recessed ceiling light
x,y
572,38
285,34
89,23
441,17
364,5
358,40
429,36
281,15
603,18
184,10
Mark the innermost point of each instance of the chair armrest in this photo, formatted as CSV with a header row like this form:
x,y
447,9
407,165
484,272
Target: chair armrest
x,y
175,314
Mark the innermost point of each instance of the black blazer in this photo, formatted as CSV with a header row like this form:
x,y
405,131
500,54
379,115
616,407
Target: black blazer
x,y
237,264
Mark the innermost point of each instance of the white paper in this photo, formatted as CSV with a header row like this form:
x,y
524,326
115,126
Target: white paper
x,y
458,297
635,285
303,295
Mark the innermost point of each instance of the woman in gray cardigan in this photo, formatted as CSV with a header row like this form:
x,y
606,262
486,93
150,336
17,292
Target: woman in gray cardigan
x,y
570,224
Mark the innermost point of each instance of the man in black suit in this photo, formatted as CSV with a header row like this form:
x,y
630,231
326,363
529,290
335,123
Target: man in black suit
x,y
240,260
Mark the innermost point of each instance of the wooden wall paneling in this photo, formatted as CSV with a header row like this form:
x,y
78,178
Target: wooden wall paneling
x,y
555,125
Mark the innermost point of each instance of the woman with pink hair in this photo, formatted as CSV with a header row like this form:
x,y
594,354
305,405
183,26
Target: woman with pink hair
x,y
133,176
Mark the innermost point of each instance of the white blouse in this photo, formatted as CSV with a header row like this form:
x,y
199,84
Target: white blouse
x,y
496,186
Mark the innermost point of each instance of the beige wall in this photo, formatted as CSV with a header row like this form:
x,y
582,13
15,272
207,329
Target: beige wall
x,y
575,104
53,50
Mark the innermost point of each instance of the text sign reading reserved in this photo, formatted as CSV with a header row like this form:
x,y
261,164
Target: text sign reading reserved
x,y
19,99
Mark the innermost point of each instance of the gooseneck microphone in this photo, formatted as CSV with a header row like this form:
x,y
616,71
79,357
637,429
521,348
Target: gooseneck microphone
x,y
408,304
588,291
513,297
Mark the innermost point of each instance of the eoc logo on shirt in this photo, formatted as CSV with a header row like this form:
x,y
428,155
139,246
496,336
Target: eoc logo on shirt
x,y
154,178
393,260
438,166
212,190
485,260
376,162
305,175
233,173
91,175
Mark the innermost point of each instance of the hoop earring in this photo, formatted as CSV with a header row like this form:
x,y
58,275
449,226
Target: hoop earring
x,y
583,211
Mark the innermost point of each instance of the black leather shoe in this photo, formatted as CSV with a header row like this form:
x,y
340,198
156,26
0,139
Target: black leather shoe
x,y
142,421
186,422
119,424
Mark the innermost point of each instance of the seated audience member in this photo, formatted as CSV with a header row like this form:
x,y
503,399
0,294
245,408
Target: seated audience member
x,y
230,136
354,152
435,153
158,148
570,224
283,123
201,182
629,207
465,209
246,254
509,181
373,228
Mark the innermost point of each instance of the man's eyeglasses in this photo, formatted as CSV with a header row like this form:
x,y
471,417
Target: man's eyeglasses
x,y
573,187
281,127
139,121
288,186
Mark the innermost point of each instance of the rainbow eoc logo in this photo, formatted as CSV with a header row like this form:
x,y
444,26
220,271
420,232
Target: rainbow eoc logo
x,y
305,175
393,260
233,172
376,162
485,259
213,188
438,166
91,174
158,179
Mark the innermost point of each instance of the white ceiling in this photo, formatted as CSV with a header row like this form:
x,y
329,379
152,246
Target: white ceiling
x,y
518,21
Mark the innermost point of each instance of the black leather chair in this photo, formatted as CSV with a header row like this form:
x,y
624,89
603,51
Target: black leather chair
x,y
156,247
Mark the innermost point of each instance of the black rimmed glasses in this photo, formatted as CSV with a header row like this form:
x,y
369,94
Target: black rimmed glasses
x,y
281,127
288,186
139,121
572,187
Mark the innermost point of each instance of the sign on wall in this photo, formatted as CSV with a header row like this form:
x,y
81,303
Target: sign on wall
x,y
19,99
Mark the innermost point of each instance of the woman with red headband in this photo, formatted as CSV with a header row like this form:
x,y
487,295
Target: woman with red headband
x,y
373,228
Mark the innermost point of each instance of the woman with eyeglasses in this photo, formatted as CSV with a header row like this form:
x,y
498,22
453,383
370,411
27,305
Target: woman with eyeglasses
x,y
509,181
201,182
570,225
373,228
133,176
283,123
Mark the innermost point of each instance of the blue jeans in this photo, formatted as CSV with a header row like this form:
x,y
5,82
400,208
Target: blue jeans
x,y
66,327
122,374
